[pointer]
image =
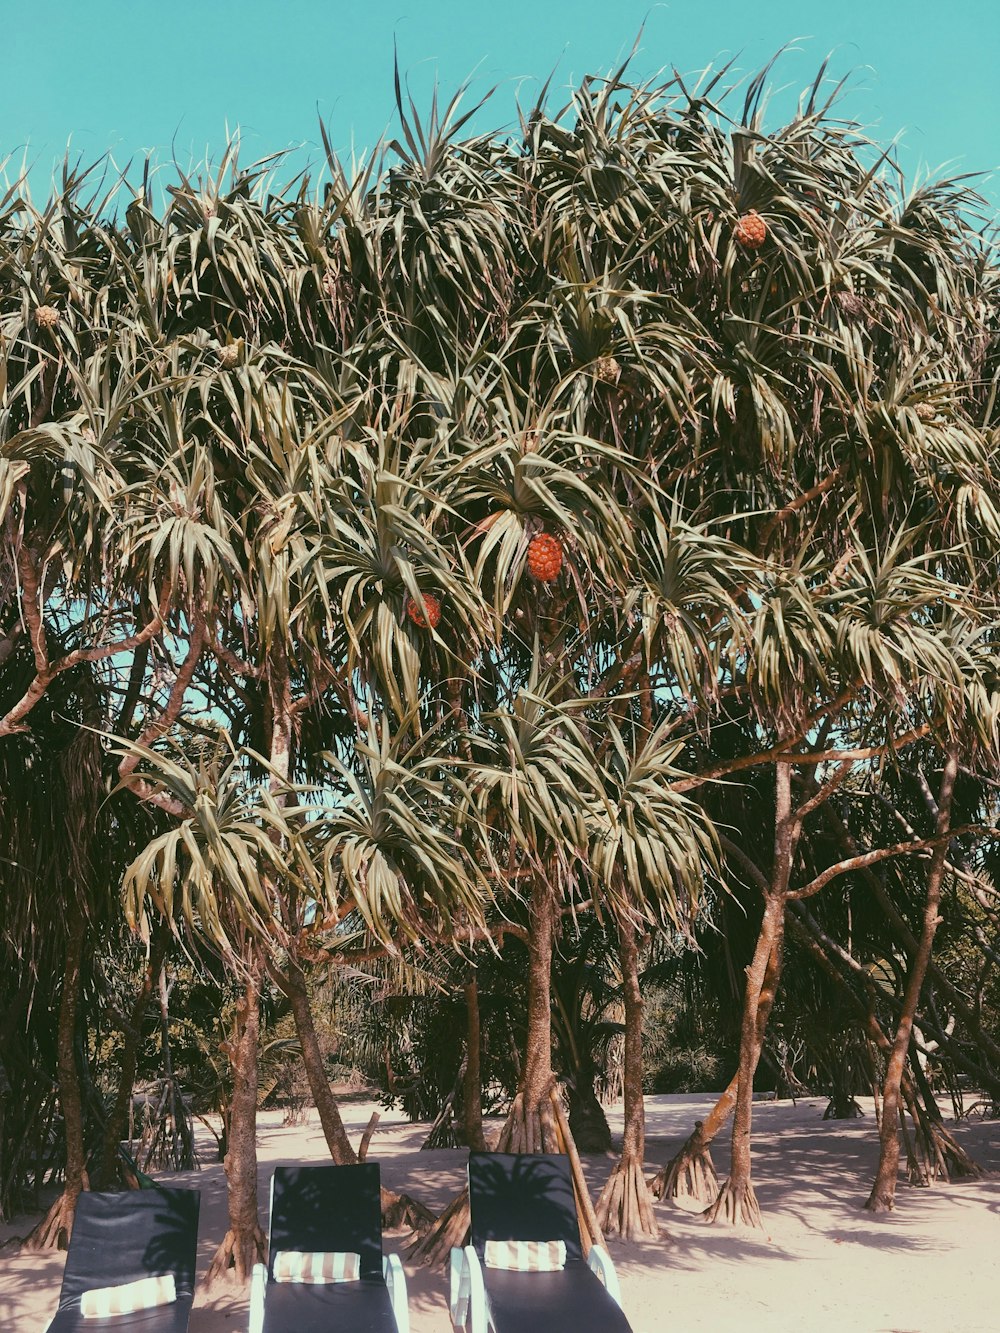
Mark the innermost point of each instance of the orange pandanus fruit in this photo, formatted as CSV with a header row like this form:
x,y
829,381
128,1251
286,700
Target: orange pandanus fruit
x,y
545,557
751,230
416,612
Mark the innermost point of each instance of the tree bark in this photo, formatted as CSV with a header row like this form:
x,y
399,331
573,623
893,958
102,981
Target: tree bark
x,y
56,1227
472,1090
624,1207
586,1114
536,1075
737,1201
690,1173
531,1125
883,1194
968,1014
244,1242
337,1142
115,1128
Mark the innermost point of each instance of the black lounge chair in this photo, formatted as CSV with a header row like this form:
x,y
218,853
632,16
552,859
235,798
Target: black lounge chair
x,y
122,1238
529,1197
329,1209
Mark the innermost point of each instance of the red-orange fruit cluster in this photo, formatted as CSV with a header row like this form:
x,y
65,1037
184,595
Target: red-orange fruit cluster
x,y
751,230
545,557
416,614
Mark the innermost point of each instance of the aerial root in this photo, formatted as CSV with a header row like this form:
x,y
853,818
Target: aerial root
x,y
942,1157
690,1174
56,1227
236,1256
736,1205
625,1208
401,1210
448,1232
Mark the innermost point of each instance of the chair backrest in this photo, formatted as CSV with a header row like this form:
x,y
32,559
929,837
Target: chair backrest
x,y
328,1208
123,1237
523,1196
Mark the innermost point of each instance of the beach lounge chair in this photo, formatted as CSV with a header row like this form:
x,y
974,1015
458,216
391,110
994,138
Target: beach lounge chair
x,y
321,1216
529,1198
121,1245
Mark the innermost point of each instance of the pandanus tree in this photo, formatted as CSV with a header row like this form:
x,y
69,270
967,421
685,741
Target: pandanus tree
x,y
490,489
76,600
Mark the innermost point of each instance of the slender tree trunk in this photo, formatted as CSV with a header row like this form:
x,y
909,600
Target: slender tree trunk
x,y
244,1242
115,1128
472,1090
625,1207
690,1173
967,1013
586,1114
337,1142
533,1123
536,1074
56,1227
883,1194
737,1201
941,1153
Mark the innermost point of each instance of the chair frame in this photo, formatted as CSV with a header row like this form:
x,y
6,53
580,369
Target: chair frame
x,y
184,1270
392,1273
468,1300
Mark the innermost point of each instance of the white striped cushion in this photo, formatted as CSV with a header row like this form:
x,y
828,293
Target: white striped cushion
x,y
526,1256
316,1266
131,1296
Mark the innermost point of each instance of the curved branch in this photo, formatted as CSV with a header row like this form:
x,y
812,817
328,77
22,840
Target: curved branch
x,y
46,671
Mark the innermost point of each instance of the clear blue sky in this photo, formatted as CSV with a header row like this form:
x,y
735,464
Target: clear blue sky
x,y
131,76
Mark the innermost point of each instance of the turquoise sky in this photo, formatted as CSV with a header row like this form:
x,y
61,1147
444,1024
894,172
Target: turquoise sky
x,y
131,76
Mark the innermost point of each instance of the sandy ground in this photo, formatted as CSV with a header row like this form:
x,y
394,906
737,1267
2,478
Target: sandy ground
x,y
822,1264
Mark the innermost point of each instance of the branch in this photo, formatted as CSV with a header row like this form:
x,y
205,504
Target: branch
x,y
864,859
46,671
800,502
827,790
233,661
866,752
154,730
780,754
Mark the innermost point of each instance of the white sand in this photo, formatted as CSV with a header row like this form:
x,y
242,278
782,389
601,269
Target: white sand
x,y
822,1265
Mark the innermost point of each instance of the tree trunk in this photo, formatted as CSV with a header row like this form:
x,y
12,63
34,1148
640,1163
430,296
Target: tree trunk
x,y
532,1124
624,1207
883,1194
969,1014
244,1242
115,1128
536,1074
737,1201
334,1132
398,1210
586,1114
56,1227
690,1173
472,1090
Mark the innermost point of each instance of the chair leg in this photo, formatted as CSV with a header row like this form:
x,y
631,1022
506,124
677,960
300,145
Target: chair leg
x,y
458,1289
395,1279
599,1261
469,1309
258,1288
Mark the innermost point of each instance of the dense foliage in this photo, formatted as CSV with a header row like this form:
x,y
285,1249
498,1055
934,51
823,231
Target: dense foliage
x,y
603,518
